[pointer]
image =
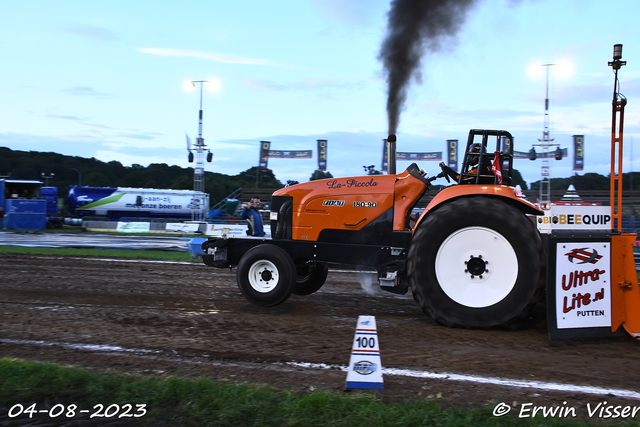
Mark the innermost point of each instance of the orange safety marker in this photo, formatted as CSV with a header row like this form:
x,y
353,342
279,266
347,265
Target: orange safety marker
x,y
365,367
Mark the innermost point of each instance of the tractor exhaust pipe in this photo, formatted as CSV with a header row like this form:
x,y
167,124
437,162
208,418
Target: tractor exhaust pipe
x,y
391,153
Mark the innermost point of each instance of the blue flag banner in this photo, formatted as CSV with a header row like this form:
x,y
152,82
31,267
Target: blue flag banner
x,y
264,154
452,154
322,154
578,152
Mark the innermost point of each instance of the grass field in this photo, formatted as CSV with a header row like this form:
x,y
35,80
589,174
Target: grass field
x,y
28,386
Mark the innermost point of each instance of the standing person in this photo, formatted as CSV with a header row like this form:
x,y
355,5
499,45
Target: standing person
x,y
253,217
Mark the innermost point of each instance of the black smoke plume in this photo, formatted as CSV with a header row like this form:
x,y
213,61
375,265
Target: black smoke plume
x,y
415,27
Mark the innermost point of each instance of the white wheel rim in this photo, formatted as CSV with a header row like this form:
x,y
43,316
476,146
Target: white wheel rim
x,y
465,250
263,276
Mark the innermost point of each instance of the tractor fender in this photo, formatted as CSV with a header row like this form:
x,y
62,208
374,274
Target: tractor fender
x,y
510,195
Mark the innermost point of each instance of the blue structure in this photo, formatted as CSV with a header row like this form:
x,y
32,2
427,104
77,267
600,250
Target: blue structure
x,y
195,246
23,207
50,194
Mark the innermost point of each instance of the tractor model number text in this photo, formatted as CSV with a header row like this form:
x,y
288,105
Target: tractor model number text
x,y
365,204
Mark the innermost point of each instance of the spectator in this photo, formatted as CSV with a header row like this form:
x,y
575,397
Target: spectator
x,y
253,217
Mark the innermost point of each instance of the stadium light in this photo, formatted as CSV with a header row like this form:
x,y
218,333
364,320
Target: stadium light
x,y
47,178
562,69
189,86
200,147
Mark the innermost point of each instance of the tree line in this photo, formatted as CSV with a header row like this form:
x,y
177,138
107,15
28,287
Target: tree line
x,y
592,181
61,171
74,170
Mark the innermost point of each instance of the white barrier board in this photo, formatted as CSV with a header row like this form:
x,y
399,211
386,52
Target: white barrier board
x,y
182,227
133,227
229,230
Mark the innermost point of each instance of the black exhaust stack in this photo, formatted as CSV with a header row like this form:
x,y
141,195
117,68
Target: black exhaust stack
x,y
391,153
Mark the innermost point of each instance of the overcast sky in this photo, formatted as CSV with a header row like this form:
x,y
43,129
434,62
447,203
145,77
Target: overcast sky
x,y
105,79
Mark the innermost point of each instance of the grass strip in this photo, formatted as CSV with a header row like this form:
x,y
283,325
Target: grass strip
x,y
205,402
117,253
83,231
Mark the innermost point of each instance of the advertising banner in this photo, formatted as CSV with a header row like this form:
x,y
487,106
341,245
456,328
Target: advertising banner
x,y
133,227
578,152
507,144
575,218
102,200
26,206
583,284
415,157
181,227
322,154
540,155
264,154
452,154
290,154
231,230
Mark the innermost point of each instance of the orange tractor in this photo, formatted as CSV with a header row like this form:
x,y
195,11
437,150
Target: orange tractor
x,y
473,258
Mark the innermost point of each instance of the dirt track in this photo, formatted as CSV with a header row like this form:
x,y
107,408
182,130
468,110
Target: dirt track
x,y
189,319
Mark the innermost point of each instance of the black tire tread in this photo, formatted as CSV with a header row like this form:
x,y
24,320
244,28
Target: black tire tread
x,y
315,280
469,211
286,270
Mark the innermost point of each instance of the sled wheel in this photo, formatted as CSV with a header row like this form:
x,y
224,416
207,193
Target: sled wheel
x,y
266,275
310,277
476,262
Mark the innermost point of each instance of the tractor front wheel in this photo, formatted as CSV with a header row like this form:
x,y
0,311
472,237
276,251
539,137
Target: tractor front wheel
x,y
266,275
476,262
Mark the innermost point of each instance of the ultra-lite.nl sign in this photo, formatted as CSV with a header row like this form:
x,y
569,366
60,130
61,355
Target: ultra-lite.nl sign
x,y
583,284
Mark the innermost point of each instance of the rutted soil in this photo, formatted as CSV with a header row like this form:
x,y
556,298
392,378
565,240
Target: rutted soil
x,y
191,320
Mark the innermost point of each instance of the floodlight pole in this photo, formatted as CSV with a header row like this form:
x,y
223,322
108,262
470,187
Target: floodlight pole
x,y
545,143
79,177
197,213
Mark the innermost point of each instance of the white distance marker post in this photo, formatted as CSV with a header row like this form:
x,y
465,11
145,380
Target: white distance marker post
x,y
365,367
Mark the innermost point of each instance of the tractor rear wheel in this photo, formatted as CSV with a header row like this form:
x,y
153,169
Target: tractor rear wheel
x,y
311,276
476,262
266,275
